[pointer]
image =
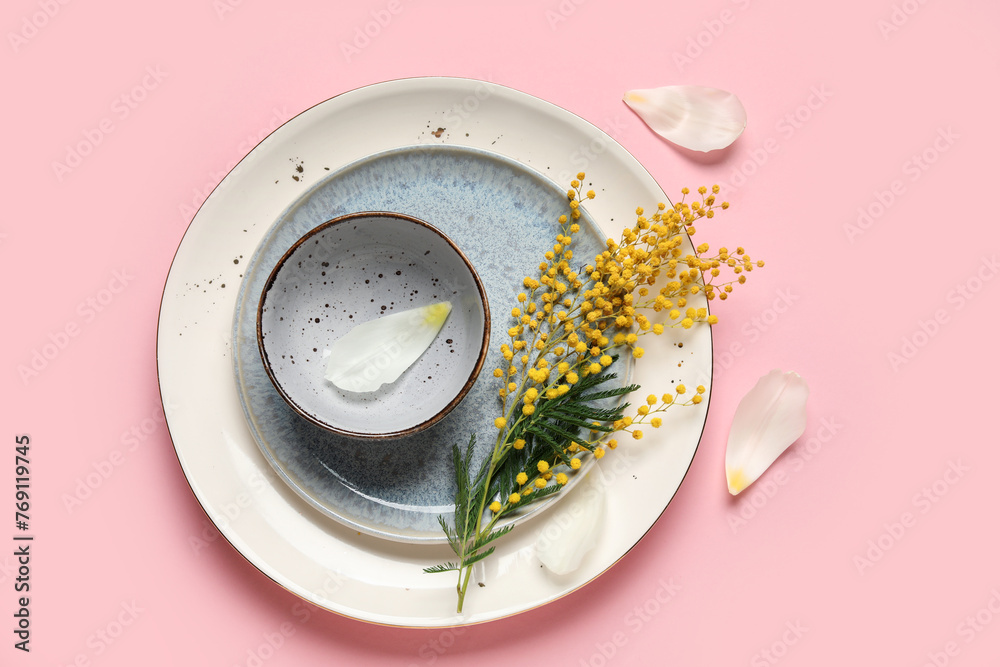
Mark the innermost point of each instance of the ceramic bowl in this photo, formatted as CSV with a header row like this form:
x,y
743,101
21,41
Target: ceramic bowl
x,y
353,269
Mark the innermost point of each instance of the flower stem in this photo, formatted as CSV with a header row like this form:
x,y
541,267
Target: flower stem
x,y
462,587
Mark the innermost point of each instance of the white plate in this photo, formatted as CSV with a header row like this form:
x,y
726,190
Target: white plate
x,y
292,543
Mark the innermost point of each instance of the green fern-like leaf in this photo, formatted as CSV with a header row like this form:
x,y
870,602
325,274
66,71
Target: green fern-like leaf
x,y
539,494
486,539
443,567
475,558
609,393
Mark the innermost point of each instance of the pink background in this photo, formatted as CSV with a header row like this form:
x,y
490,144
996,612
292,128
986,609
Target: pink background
x,y
841,98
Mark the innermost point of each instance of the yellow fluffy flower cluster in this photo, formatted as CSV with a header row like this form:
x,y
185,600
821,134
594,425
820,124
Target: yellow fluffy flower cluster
x,y
648,413
568,325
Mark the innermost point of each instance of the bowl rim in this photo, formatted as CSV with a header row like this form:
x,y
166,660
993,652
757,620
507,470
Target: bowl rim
x,y
411,430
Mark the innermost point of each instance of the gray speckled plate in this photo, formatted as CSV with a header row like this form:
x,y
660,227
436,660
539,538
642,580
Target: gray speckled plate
x,y
504,217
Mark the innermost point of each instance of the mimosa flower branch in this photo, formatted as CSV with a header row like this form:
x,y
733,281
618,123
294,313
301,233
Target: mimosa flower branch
x,y
568,330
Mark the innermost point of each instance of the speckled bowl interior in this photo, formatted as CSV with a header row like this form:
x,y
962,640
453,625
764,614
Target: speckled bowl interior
x,y
354,269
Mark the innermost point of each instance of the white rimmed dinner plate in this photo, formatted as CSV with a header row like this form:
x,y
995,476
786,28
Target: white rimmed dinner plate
x,y
302,550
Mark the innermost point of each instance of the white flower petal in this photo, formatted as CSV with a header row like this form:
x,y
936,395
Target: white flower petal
x,y
573,528
378,351
695,117
768,419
